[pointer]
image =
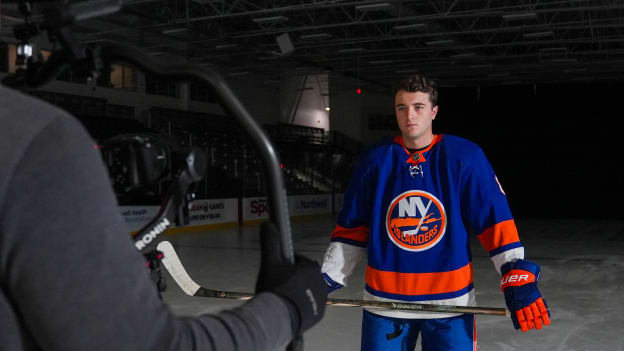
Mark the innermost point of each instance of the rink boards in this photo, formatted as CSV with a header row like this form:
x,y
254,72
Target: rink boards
x,y
208,213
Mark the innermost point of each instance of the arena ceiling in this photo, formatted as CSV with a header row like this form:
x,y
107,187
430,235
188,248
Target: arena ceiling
x,y
457,42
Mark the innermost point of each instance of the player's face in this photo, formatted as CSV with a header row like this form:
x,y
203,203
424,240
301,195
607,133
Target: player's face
x,y
415,114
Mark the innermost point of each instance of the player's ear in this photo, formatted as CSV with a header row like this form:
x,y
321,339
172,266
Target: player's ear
x,y
435,111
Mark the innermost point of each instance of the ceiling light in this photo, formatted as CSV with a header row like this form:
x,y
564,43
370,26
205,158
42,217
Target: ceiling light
x,y
174,30
382,6
575,70
326,108
225,46
380,62
547,34
563,60
343,51
415,26
464,55
100,40
314,36
498,75
552,49
440,42
270,19
25,50
520,16
485,65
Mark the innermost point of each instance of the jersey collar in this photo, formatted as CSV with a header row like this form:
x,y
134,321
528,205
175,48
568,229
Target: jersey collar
x,y
418,156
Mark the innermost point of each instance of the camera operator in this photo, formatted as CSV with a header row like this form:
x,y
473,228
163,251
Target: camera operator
x,y
70,276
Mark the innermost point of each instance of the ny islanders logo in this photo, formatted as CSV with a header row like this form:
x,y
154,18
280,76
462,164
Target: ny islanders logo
x,y
416,220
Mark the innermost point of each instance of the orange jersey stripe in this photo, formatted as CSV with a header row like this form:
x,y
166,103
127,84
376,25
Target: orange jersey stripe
x,y
358,233
500,234
419,283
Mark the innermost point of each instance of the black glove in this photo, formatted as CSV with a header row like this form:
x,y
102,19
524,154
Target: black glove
x,y
301,284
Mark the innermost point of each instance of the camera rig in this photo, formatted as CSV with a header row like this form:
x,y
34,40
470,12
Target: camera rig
x,y
33,72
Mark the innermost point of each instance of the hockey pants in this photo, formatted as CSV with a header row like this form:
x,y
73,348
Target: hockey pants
x,y
398,334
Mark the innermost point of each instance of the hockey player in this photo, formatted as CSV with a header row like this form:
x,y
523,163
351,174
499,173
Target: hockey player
x,y
70,277
409,206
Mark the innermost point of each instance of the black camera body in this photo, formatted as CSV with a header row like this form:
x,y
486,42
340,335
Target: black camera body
x,y
137,161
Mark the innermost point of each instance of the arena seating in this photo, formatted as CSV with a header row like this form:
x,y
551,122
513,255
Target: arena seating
x,y
312,160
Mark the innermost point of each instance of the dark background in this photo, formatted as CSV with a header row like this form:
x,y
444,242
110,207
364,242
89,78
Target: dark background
x,y
556,149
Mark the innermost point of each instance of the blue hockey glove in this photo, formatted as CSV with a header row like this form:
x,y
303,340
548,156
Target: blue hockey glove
x,y
524,301
331,284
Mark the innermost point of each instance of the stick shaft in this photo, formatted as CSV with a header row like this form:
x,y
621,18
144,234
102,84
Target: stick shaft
x,y
407,306
173,264
401,306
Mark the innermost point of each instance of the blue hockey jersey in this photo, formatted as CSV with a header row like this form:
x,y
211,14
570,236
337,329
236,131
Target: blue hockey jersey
x,y
411,215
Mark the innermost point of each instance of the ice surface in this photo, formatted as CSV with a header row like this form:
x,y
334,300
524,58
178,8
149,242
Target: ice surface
x,y
582,281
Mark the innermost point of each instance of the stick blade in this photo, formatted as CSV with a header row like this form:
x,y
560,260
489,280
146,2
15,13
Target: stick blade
x,y
172,263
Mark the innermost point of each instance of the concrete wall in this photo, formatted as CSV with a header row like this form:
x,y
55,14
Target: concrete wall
x,y
377,103
350,111
304,99
261,102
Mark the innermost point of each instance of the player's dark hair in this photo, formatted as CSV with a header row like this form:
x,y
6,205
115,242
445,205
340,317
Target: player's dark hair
x,y
418,83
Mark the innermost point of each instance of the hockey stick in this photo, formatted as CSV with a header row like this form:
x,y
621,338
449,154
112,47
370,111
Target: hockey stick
x,y
179,274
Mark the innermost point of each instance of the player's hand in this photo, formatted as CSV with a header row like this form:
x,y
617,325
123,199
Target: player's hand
x,y
301,284
331,284
519,284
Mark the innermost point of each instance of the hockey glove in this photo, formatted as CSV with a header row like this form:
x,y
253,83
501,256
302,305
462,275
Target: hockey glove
x,y
301,284
331,284
524,301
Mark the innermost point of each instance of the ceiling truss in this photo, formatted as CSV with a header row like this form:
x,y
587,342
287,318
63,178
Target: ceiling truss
x,y
457,42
